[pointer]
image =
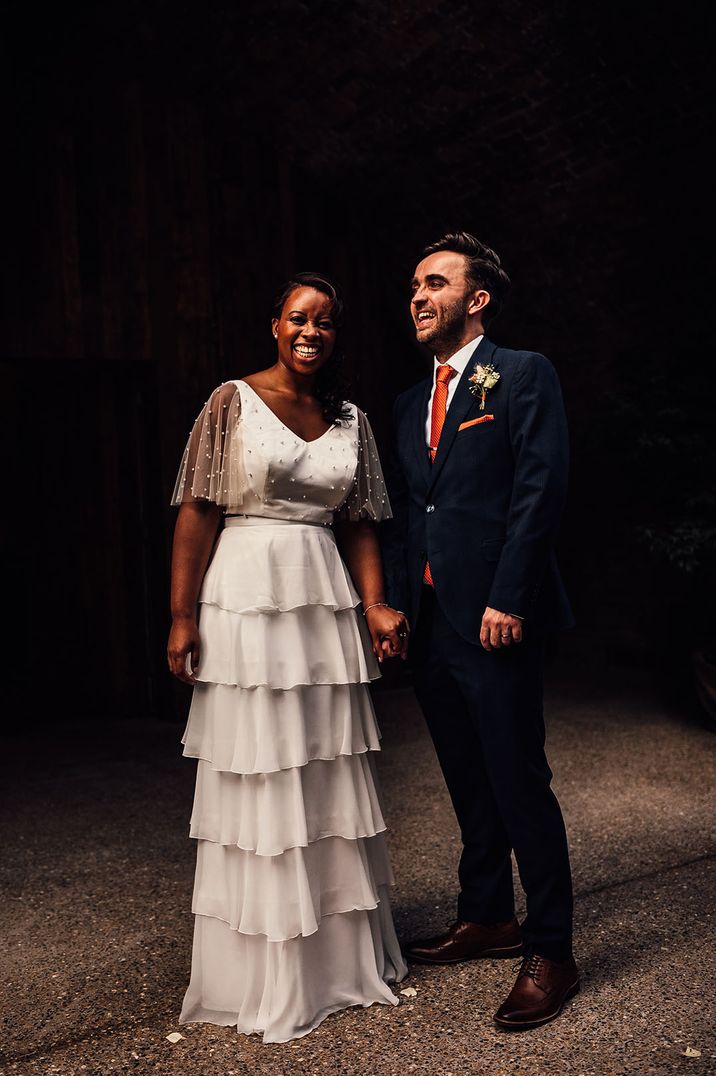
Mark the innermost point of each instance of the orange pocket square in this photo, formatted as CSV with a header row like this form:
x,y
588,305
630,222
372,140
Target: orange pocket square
x,y
476,422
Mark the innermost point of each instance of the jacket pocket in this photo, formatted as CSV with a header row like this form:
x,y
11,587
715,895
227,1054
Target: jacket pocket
x,y
492,548
476,422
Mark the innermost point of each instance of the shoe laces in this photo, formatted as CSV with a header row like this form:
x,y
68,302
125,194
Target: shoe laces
x,y
532,965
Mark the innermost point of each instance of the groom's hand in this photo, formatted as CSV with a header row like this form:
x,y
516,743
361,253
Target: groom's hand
x,y
499,629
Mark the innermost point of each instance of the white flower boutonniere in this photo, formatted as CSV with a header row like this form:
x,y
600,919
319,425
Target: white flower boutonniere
x,y
484,379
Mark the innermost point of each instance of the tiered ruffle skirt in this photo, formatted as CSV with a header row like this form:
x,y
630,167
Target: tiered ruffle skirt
x,y
292,913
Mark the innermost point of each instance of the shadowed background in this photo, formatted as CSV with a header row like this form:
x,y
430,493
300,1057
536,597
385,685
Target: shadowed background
x,y
170,165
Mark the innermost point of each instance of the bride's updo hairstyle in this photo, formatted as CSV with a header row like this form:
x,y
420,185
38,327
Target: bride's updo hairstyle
x,y
331,388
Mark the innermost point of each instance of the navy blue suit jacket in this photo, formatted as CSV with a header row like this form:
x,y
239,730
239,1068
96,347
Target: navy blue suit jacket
x,y
485,513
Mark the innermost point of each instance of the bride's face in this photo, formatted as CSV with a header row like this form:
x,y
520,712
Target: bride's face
x,y
305,331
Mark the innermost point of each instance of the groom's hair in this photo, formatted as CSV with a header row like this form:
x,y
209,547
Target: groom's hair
x,y
483,269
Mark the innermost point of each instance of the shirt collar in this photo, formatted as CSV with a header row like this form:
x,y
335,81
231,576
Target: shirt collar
x,y
459,360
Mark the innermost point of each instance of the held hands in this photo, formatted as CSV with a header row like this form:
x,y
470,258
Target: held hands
x,y
389,631
499,629
183,641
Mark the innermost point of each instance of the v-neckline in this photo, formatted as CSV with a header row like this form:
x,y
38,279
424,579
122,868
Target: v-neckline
x,y
282,423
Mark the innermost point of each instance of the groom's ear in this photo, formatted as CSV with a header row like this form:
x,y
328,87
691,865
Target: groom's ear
x,y
478,301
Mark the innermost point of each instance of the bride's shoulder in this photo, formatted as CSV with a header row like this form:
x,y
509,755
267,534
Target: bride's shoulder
x,y
225,398
355,413
225,392
350,415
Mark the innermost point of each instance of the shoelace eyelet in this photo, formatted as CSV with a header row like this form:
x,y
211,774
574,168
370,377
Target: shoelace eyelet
x,y
532,966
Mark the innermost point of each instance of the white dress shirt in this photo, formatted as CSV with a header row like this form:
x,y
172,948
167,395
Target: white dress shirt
x,y
458,361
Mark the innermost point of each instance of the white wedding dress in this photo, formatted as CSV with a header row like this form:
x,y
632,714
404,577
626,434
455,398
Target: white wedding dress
x,y
292,917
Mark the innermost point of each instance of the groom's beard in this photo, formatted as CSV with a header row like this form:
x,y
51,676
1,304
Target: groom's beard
x,y
445,336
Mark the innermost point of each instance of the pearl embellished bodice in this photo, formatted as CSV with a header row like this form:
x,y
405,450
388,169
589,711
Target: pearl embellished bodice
x,y
242,456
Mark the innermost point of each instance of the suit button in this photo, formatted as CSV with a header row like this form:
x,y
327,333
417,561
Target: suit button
x,y
429,507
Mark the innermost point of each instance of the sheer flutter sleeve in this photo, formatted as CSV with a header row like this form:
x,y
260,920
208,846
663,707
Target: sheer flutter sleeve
x,y
368,498
212,466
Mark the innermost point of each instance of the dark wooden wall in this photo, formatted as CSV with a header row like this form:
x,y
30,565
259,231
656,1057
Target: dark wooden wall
x,y
169,168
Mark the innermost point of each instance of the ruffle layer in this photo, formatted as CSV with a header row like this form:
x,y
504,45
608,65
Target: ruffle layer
x,y
259,730
285,989
308,645
272,568
287,895
269,813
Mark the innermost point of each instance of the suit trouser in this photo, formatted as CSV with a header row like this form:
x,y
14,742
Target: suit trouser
x,y
484,712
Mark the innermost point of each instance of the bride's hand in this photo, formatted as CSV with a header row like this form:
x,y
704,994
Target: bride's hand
x,y
389,631
184,640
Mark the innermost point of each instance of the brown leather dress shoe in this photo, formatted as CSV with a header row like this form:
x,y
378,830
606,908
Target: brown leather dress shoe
x,y
468,941
541,989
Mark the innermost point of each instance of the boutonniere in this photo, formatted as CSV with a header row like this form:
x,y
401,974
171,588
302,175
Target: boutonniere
x,y
484,379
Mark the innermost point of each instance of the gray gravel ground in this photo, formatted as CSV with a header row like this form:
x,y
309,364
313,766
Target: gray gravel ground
x,y
97,871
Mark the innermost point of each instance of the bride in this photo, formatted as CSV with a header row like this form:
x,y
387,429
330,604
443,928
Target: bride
x,y
292,917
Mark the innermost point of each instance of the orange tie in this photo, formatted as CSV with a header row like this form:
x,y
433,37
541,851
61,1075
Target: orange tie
x,y
437,420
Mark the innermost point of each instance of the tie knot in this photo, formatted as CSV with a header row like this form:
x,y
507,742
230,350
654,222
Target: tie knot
x,y
444,373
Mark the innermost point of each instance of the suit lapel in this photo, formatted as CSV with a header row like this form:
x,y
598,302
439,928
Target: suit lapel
x,y
460,404
418,427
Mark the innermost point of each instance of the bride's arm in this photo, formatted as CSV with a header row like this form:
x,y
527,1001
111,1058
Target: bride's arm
x,y
358,544
194,536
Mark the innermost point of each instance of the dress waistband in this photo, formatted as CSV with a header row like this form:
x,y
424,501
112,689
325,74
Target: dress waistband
x,y
266,521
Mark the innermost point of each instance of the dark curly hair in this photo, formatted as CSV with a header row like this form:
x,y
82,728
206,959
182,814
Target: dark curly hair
x,y
484,269
331,386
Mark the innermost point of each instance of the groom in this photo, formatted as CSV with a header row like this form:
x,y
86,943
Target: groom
x,y
477,487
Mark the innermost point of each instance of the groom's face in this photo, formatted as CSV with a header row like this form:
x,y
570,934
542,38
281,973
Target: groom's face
x,y
441,296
